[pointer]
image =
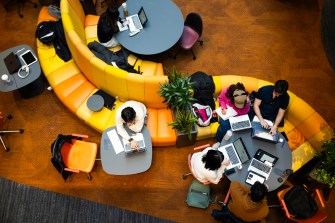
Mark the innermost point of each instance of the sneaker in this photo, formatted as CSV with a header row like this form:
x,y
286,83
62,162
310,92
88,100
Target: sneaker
x,y
216,145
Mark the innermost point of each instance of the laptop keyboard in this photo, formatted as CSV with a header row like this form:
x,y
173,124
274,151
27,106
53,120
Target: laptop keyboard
x,y
241,125
232,155
260,165
136,22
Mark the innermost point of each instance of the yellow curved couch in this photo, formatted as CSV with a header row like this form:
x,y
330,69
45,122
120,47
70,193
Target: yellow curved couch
x,y
77,79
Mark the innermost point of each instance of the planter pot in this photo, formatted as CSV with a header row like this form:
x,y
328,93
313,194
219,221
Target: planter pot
x,y
183,140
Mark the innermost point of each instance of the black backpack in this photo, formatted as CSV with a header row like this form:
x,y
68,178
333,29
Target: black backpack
x,y
45,32
300,203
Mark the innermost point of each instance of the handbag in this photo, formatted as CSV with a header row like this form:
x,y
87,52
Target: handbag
x,y
199,195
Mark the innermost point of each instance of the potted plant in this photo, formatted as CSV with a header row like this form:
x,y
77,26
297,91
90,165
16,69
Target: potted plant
x,y
325,172
178,95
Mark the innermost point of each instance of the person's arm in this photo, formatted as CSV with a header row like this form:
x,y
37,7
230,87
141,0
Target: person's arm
x,y
119,126
222,100
141,112
237,189
279,117
257,111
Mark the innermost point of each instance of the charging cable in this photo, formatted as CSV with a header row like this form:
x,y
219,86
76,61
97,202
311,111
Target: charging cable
x,y
24,68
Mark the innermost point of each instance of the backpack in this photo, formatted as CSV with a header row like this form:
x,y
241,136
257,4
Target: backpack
x,y
203,89
45,32
203,113
300,203
199,195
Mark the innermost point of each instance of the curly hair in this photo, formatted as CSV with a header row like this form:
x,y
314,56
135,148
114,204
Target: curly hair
x,y
213,159
232,88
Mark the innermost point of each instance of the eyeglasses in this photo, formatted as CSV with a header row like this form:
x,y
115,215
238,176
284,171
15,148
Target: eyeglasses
x,y
240,94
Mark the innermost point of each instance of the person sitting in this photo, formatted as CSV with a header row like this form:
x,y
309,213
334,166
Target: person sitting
x,y
248,204
236,97
209,165
270,104
107,26
133,114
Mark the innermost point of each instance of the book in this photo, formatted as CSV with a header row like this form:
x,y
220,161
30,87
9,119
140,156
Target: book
x,y
230,112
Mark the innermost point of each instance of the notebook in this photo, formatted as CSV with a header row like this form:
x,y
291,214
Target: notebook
x,y
137,21
241,122
12,63
230,112
236,152
138,137
260,168
258,132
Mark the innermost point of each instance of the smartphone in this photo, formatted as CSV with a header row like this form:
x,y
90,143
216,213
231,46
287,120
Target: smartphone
x,y
229,171
28,58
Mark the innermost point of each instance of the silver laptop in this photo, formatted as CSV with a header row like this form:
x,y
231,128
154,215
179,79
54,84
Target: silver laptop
x,y
141,145
240,122
137,21
236,152
260,168
253,177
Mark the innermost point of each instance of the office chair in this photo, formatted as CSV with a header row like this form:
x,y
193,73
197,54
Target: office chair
x,y
73,154
318,217
189,157
191,33
20,5
2,131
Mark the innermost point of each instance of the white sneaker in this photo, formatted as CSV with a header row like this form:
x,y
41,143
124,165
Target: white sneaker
x,y
216,145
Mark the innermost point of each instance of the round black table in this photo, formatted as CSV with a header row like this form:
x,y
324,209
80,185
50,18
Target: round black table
x,y
163,29
280,150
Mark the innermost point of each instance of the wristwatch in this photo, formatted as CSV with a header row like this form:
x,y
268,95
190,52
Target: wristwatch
x,y
131,139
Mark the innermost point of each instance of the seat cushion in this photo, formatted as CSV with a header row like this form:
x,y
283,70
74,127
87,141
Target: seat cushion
x,y
188,38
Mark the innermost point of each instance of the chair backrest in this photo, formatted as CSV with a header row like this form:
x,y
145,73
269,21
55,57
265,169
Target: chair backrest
x,y
194,21
318,217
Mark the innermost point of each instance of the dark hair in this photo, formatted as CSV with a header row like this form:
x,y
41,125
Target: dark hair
x,y
213,159
281,86
128,114
258,191
232,88
112,13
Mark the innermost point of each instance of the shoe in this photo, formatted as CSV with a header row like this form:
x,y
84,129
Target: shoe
x,y
216,145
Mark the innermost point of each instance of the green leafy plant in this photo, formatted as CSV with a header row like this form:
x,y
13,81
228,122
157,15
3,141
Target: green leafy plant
x,y
325,172
184,122
178,93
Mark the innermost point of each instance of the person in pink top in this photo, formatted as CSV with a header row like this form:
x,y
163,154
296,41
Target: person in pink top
x,y
234,96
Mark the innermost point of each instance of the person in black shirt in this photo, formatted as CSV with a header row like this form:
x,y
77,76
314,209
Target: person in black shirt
x,y
107,26
271,103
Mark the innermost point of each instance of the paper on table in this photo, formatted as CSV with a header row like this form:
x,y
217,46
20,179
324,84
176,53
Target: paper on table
x,y
122,26
230,112
267,121
114,138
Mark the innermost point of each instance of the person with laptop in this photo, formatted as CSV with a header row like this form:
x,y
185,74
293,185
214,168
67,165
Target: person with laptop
x,y
209,165
107,26
133,114
236,97
270,104
248,204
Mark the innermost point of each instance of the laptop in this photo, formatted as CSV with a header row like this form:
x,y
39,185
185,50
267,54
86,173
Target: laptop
x,y
241,122
12,63
140,141
260,168
137,21
258,132
236,152
253,177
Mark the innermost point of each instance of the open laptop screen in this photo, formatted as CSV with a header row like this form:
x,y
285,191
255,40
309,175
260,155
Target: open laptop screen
x,y
241,150
142,16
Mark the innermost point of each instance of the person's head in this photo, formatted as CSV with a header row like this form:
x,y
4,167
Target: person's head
x,y
213,159
237,95
112,13
258,191
128,115
281,86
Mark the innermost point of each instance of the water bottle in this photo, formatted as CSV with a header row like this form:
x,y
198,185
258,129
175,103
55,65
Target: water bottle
x,y
228,135
125,9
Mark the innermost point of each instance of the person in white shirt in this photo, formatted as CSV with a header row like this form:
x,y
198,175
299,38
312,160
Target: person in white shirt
x,y
133,114
209,165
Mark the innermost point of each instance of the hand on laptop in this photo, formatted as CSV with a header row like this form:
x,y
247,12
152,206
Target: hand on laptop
x,y
134,144
273,130
265,125
226,163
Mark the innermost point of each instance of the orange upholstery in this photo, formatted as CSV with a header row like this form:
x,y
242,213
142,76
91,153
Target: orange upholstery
x,y
79,156
318,217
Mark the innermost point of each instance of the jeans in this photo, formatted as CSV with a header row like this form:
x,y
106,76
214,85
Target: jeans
x,y
222,129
